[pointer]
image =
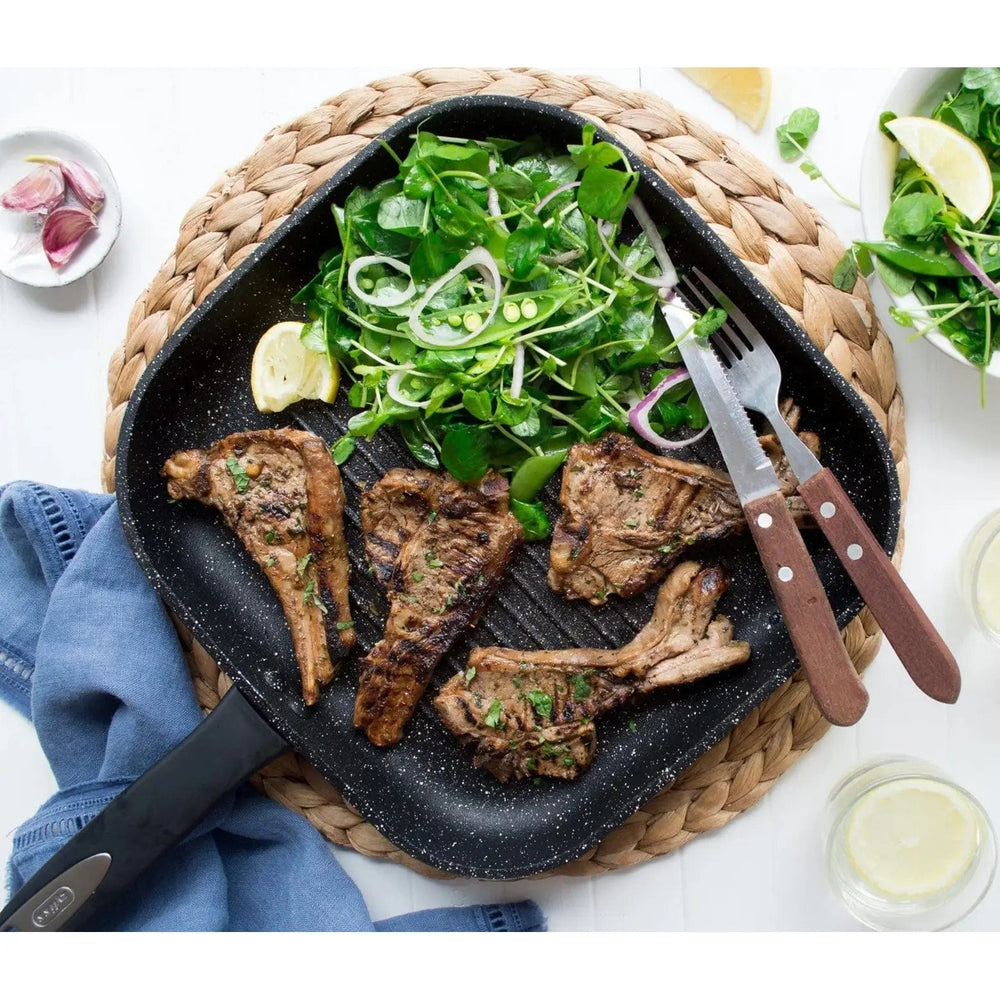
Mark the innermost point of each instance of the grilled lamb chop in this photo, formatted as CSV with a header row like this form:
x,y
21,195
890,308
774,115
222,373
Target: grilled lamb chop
x,y
440,548
628,515
531,713
280,491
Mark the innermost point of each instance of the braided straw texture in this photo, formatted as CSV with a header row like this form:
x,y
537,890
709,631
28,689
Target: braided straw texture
x,y
783,241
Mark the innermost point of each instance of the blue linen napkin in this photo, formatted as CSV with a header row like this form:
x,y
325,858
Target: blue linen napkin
x,y
88,654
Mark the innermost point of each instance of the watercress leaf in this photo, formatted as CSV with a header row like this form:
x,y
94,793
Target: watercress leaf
x,y
912,214
786,146
710,321
810,169
803,123
529,426
418,182
418,446
883,120
461,223
464,452
523,248
896,279
671,415
562,170
845,274
400,214
357,395
512,183
432,258
511,412
696,416
961,113
440,395
984,79
479,403
533,519
366,423
343,448
902,317
863,258
313,337
604,192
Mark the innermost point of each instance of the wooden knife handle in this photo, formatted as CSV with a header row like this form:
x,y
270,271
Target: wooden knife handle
x,y
917,643
835,684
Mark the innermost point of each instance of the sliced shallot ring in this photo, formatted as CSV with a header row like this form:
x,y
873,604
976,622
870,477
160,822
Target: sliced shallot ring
x,y
660,281
517,375
389,300
638,416
555,194
649,228
394,388
443,336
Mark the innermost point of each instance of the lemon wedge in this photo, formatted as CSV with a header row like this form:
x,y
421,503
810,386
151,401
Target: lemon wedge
x,y
953,161
911,837
284,371
745,90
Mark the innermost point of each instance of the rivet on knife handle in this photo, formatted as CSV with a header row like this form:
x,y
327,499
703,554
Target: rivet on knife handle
x,y
835,685
917,643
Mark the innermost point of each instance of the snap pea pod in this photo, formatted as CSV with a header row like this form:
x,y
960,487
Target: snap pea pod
x,y
926,260
533,473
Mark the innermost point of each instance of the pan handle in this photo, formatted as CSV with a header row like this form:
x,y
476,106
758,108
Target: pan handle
x,y
152,815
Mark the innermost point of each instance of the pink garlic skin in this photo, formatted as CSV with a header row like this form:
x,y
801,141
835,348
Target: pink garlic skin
x,y
63,232
40,191
83,184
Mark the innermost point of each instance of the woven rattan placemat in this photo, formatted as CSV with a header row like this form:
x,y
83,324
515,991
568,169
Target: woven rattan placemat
x,y
783,241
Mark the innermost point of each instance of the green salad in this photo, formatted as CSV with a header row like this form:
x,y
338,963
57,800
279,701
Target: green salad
x,y
495,302
932,249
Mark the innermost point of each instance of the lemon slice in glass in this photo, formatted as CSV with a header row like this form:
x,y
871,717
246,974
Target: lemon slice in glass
x,y
745,90
953,161
285,371
912,837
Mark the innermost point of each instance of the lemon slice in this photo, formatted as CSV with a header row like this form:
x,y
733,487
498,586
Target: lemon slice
x,y
912,837
953,161
284,371
745,90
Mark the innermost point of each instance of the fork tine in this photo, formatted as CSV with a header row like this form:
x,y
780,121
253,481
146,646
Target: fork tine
x,y
722,345
726,339
747,330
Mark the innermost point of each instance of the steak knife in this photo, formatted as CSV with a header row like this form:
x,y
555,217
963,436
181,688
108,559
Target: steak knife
x,y
835,684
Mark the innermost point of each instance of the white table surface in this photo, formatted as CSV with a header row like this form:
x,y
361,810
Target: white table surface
x,y
763,871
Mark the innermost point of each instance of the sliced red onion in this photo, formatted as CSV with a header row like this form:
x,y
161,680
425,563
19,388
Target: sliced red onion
x,y
387,297
517,375
444,336
555,194
663,281
969,263
638,416
63,231
40,191
394,388
652,234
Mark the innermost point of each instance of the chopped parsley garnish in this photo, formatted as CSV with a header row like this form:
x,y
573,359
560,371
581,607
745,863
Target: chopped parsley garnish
x,y
433,561
581,689
432,516
531,763
270,536
632,726
300,566
632,522
269,561
492,717
541,703
601,594
344,626
469,674
568,761
665,548
309,594
417,577
640,492
240,478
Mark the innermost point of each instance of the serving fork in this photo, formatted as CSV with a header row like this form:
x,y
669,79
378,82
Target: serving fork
x,y
755,375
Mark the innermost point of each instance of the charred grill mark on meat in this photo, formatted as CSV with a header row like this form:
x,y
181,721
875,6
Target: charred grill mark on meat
x,y
440,548
628,515
280,492
532,713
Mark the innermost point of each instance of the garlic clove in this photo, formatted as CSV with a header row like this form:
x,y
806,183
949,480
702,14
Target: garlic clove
x,y
82,181
83,184
40,191
63,231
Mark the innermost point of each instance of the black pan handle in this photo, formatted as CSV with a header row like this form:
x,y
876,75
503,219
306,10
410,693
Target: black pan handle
x,y
152,815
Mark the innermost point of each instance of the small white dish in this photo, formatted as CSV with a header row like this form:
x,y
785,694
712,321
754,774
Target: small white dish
x,y
916,92
21,256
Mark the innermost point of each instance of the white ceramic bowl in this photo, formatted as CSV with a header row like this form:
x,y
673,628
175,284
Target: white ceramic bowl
x,y
916,92
21,254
